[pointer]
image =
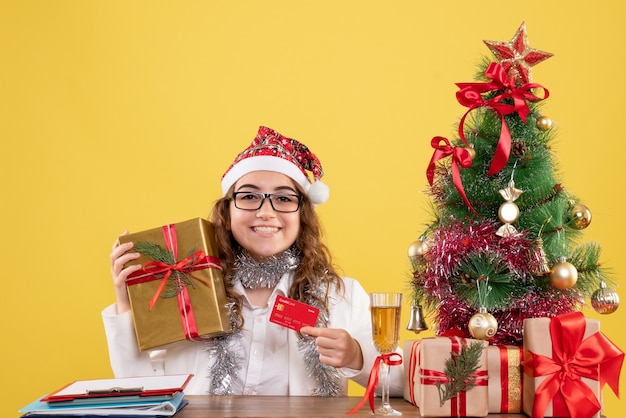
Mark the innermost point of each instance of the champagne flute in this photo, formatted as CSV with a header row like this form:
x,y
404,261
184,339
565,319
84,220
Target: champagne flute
x,y
385,310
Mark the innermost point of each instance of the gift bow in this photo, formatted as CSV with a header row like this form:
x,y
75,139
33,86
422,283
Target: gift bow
x,y
372,382
196,261
470,95
460,156
595,357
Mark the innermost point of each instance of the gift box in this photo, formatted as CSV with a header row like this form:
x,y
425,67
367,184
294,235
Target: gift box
x,y
426,367
567,360
505,378
179,292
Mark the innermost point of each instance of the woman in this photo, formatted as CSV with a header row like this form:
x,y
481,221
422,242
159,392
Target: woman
x,y
270,243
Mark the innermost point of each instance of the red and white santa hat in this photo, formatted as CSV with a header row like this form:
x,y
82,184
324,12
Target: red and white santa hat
x,y
270,151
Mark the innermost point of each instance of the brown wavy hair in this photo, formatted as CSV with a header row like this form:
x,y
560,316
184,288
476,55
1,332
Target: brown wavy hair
x,y
316,266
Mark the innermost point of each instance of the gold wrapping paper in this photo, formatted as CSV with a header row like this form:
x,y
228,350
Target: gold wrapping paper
x,y
431,354
164,323
505,378
537,339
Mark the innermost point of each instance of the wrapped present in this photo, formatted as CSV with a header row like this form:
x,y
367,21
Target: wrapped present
x,y
428,378
179,292
567,361
505,378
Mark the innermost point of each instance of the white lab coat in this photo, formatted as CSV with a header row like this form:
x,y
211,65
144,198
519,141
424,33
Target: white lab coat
x,y
349,310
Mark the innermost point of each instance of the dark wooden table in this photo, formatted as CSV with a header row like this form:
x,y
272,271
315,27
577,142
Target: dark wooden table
x,y
288,406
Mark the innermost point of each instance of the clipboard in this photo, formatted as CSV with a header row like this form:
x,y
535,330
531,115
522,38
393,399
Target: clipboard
x,y
147,408
120,387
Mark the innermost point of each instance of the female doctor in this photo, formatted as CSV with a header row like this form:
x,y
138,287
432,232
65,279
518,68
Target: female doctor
x,y
270,243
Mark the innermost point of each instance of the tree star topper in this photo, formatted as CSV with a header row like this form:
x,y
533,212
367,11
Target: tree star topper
x,y
516,57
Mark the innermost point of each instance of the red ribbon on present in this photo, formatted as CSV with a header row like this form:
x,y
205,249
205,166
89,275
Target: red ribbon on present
x,y
470,95
372,382
506,405
413,363
573,358
199,260
460,156
458,404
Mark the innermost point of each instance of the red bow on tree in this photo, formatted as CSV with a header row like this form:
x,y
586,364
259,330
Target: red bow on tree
x,y
470,95
460,156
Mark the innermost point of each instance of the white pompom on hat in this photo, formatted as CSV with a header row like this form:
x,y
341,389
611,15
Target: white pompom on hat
x,y
270,151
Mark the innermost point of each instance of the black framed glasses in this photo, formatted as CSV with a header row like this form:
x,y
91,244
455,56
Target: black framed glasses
x,y
280,202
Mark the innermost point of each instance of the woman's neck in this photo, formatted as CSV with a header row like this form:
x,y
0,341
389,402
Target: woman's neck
x,y
259,296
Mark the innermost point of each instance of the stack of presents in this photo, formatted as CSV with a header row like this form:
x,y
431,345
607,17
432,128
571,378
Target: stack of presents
x,y
558,372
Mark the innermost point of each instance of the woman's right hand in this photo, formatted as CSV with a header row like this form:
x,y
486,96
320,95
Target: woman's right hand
x,y
120,255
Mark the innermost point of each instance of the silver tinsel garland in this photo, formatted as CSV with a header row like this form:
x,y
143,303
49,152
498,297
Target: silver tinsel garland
x,y
255,274
226,361
327,377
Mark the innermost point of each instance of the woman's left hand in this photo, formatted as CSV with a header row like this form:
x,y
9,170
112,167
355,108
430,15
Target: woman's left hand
x,y
336,347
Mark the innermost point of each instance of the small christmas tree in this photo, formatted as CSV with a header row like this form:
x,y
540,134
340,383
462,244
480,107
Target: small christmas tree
x,y
504,242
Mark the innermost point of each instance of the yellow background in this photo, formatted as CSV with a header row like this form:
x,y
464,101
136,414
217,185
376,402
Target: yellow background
x,y
124,114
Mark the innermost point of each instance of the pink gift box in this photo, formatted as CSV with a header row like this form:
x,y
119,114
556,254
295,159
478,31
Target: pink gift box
x,y
566,362
426,365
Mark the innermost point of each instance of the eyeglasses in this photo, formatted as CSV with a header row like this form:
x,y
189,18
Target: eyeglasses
x,y
280,202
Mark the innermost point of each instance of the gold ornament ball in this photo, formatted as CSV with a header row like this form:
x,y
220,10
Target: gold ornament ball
x,y
544,123
508,212
472,152
563,275
579,216
605,301
417,249
483,325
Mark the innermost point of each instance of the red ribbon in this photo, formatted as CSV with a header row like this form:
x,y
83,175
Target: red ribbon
x,y
458,404
460,156
196,261
372,382
506,404
413,363
573,358
470,95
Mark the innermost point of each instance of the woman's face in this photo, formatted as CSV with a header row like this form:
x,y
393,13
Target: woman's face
x,y
264,232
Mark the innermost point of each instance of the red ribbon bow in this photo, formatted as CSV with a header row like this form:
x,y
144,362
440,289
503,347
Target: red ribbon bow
x,y
460,156
199,260
470,95
196,261
573,358
372,382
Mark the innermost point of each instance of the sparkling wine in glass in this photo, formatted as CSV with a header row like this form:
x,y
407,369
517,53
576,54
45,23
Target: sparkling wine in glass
x,y
385,309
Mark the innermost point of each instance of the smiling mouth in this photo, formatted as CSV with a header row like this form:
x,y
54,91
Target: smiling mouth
x,y
265,229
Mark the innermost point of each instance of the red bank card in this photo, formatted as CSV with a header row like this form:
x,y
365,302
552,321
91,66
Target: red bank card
x,y
293,314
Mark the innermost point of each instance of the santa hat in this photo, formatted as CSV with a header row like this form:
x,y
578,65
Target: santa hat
x,y
271,151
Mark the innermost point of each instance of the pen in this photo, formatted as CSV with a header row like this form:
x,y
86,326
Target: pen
x,y
115,389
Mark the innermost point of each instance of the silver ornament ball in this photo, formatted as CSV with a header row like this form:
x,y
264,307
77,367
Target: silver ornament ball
x,y
605,301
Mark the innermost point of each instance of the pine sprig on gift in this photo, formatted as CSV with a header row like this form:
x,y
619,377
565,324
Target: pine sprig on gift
x,y
154,252
178,279
459,370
